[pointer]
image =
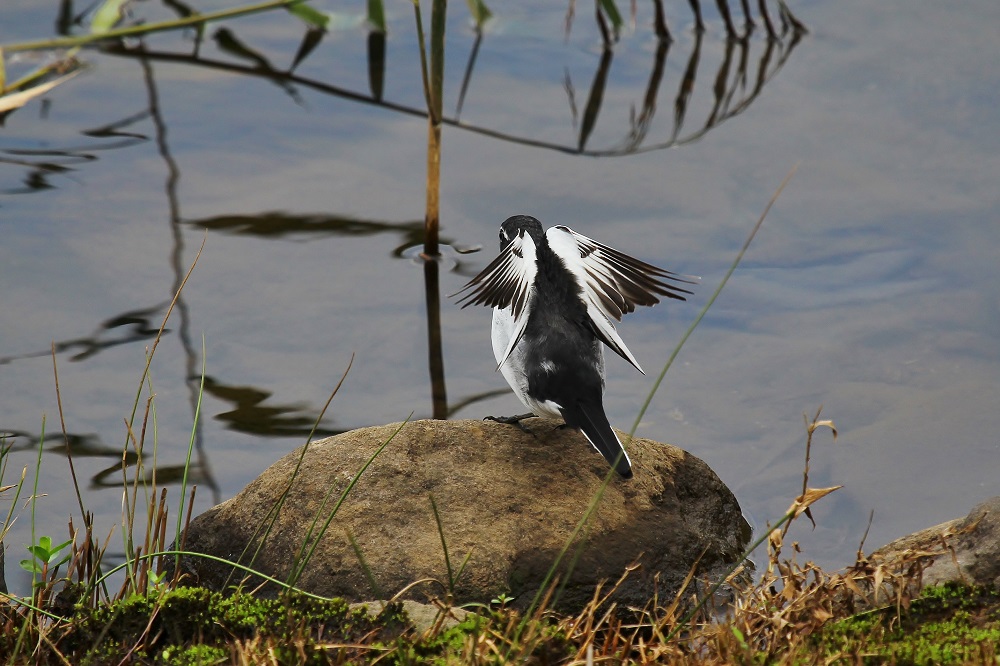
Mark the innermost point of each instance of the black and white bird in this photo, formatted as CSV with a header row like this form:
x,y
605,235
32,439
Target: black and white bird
x,y
554,295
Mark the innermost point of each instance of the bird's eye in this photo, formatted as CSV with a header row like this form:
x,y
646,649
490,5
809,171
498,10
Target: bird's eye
x,y
503,235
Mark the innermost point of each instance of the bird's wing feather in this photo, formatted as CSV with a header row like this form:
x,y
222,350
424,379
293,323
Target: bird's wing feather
x,y
612,282
506,283
619,281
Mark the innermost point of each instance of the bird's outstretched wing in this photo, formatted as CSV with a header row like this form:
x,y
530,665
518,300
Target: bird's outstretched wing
x,y
506,283
612,282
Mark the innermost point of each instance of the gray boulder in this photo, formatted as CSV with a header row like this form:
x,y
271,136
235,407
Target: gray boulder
x,y
508,501
963,550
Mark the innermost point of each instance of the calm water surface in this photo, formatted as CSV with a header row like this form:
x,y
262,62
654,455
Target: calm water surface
x,y
871,289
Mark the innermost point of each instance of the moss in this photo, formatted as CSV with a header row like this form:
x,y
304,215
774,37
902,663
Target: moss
x,y
196,655
189,624
949,624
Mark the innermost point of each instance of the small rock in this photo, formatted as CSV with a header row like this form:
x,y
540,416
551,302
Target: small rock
x,y
962,550
422,616
508,501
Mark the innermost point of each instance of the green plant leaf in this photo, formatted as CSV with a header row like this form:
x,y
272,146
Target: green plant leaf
x,y
310,41
107,16
480,12
54,552
31,566
612,12
376,15
312,16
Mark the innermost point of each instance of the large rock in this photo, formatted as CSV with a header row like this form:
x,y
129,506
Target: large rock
x,y
508,500
964,549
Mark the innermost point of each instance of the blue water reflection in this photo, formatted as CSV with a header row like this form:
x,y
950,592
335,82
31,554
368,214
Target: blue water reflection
x,y
871,289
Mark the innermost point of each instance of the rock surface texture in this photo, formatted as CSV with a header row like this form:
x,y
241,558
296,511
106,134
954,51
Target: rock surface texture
x,y
508,501
963,550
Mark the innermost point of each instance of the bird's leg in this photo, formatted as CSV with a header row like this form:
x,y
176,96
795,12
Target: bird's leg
x,y
513,420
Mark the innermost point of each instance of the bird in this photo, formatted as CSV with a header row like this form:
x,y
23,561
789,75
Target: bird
x,y
554,295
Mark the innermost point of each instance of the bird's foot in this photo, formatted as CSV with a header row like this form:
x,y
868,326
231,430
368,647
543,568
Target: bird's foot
x,y
513,420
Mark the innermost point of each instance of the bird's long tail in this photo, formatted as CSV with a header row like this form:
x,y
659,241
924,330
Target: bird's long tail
x,y
593,422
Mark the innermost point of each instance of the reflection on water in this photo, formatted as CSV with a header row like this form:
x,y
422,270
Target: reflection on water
x,y
731,84
138,325
735,82
278,224
250,415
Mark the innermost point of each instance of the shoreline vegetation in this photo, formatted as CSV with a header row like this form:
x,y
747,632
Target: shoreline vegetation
x,y
874,611
793,614
81,610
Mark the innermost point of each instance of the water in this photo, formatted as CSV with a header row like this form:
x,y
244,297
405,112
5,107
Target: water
x,y
871,289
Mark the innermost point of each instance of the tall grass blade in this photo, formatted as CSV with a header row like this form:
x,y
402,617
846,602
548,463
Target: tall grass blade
x,y
159,333
312,17
149,28
18,487
369,575
545,590
311,540
34,496
267,524
434,84
422,47
439,9
187,459
711,300
376,64
376,16
444,546
62,423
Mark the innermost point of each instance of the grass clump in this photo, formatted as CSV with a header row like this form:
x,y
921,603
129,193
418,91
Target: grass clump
x,y
951,624
948,624
196,625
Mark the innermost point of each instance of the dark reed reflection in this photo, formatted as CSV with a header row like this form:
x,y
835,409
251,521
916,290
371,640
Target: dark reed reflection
x,y
733,89
250,415
740,86
734,83
127,327
42,164
280,224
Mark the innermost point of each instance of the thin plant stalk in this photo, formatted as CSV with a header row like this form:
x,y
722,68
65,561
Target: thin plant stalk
x,y
62,423
595,500
34,496
539,601
704,310
369,574
147,28
187,459
163,325
311,540
268,522
433,79
17,493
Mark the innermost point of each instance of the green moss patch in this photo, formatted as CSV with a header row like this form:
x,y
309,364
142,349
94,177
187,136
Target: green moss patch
x,y
948,624
194,625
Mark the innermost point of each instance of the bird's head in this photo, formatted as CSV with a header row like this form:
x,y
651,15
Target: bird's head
x,y
518,225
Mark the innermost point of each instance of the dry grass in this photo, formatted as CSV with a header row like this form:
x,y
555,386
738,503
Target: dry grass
x,y
783,617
